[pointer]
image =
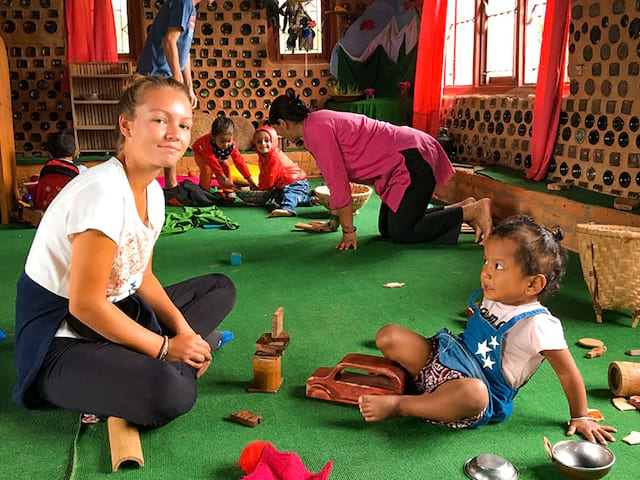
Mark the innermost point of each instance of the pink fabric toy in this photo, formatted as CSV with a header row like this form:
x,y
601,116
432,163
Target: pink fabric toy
x,y
274,465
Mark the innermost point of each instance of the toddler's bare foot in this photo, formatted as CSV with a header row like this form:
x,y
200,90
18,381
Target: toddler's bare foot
x,y
466,201
478,215
375,408
279,212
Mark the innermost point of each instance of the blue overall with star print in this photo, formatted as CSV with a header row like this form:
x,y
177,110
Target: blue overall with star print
x,y
477,353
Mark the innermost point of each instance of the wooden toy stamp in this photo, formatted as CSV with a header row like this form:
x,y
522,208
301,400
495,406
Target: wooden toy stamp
x,y
245,417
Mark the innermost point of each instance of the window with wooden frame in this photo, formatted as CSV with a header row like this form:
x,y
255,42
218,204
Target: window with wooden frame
x,y
129,30
304,31
493,45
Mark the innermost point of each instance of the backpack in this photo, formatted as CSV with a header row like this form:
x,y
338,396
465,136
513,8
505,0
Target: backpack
x,y
53,177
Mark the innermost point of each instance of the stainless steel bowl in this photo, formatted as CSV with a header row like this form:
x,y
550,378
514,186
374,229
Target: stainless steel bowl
x,y
490,467
580,459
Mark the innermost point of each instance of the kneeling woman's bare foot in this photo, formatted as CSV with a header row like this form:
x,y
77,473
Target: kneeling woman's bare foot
x,y
478,215
462,203
279,212
375,408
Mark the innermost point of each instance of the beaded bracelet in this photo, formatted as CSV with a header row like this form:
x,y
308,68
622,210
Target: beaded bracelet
x,y
164,351
353,230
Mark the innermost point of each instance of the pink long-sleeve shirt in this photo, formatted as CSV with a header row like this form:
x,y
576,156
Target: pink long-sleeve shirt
x,y
352,147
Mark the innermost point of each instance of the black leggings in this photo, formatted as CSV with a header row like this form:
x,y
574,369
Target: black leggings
x,y
414,222
108,379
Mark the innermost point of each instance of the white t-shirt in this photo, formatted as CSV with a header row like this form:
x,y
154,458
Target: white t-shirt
x,y
99,199
524,341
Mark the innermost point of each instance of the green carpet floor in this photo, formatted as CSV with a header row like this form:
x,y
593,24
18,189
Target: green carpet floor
x,y
333,304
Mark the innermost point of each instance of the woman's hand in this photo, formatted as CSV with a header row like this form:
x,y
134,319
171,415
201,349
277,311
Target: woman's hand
x,y
191,349
348,241
591,430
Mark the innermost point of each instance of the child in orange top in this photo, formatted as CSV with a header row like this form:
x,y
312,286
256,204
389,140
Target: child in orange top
x,y
211,153
278,173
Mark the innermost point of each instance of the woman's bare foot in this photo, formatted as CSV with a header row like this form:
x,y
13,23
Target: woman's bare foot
x,y
375,408
279,212
478,215
462,203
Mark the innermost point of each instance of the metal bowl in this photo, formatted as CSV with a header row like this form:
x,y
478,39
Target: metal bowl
x,y
490,467
581,459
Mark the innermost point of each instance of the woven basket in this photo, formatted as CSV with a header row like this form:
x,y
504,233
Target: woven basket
x,y
359,196
610,259
254,198
201,126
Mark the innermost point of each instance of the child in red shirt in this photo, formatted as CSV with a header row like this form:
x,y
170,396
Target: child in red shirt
x,y
280,174
211,153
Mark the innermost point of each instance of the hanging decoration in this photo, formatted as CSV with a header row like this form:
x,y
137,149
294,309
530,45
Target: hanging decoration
x,y
298,24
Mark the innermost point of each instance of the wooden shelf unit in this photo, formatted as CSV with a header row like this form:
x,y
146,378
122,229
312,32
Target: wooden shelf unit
x,y
95,91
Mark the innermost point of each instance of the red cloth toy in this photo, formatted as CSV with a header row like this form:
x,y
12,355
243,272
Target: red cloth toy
x,y
261,461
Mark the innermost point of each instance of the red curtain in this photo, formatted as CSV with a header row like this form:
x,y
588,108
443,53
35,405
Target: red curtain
x,y
427,92
91,31
548,101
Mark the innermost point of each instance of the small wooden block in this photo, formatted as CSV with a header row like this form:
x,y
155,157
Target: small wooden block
x,y
590,342
621,404
596,352
595,414
633,438
633,353
125,443
276,322
635,401
394,285
269,345
466,228
626,204
245,417
558,186
304,226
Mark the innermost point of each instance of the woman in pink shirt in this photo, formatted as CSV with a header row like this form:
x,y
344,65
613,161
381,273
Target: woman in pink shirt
x,y
403,164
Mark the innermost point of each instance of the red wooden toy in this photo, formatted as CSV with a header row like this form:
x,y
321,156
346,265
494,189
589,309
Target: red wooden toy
x,y
342,384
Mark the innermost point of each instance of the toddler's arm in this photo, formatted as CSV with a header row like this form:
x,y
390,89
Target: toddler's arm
x,y
571,380
238,161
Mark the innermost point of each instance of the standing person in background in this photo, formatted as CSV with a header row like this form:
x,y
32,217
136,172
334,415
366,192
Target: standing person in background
x,y
403,164
166,52
95,329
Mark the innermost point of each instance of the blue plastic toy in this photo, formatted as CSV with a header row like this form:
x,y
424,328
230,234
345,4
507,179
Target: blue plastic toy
x,y
236,259
2,335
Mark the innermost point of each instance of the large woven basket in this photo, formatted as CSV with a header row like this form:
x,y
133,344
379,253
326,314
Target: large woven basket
x,y
610,259
359,196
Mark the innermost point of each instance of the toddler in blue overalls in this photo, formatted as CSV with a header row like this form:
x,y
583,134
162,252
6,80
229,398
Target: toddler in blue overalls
x,y
471,379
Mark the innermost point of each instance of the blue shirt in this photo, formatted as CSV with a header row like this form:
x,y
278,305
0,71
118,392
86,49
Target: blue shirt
x,y
173,13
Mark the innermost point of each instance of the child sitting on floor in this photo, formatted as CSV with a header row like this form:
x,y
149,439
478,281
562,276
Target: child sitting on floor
x,y
211,152
58,170
471,379
280,174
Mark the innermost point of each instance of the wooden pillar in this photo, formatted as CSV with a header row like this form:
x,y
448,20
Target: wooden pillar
x,y
8,182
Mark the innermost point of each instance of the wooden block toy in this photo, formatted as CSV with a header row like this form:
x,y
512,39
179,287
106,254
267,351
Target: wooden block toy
x,y
622,404
633,438
635,401
266,373
596,352
236,259
626,204
633,353
356,375
273,346
245,417
624,378
276,322
595,414
590,342
125,443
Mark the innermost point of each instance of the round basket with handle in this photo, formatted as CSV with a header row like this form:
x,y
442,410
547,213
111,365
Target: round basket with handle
x,y
359,196
610,259
254,198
